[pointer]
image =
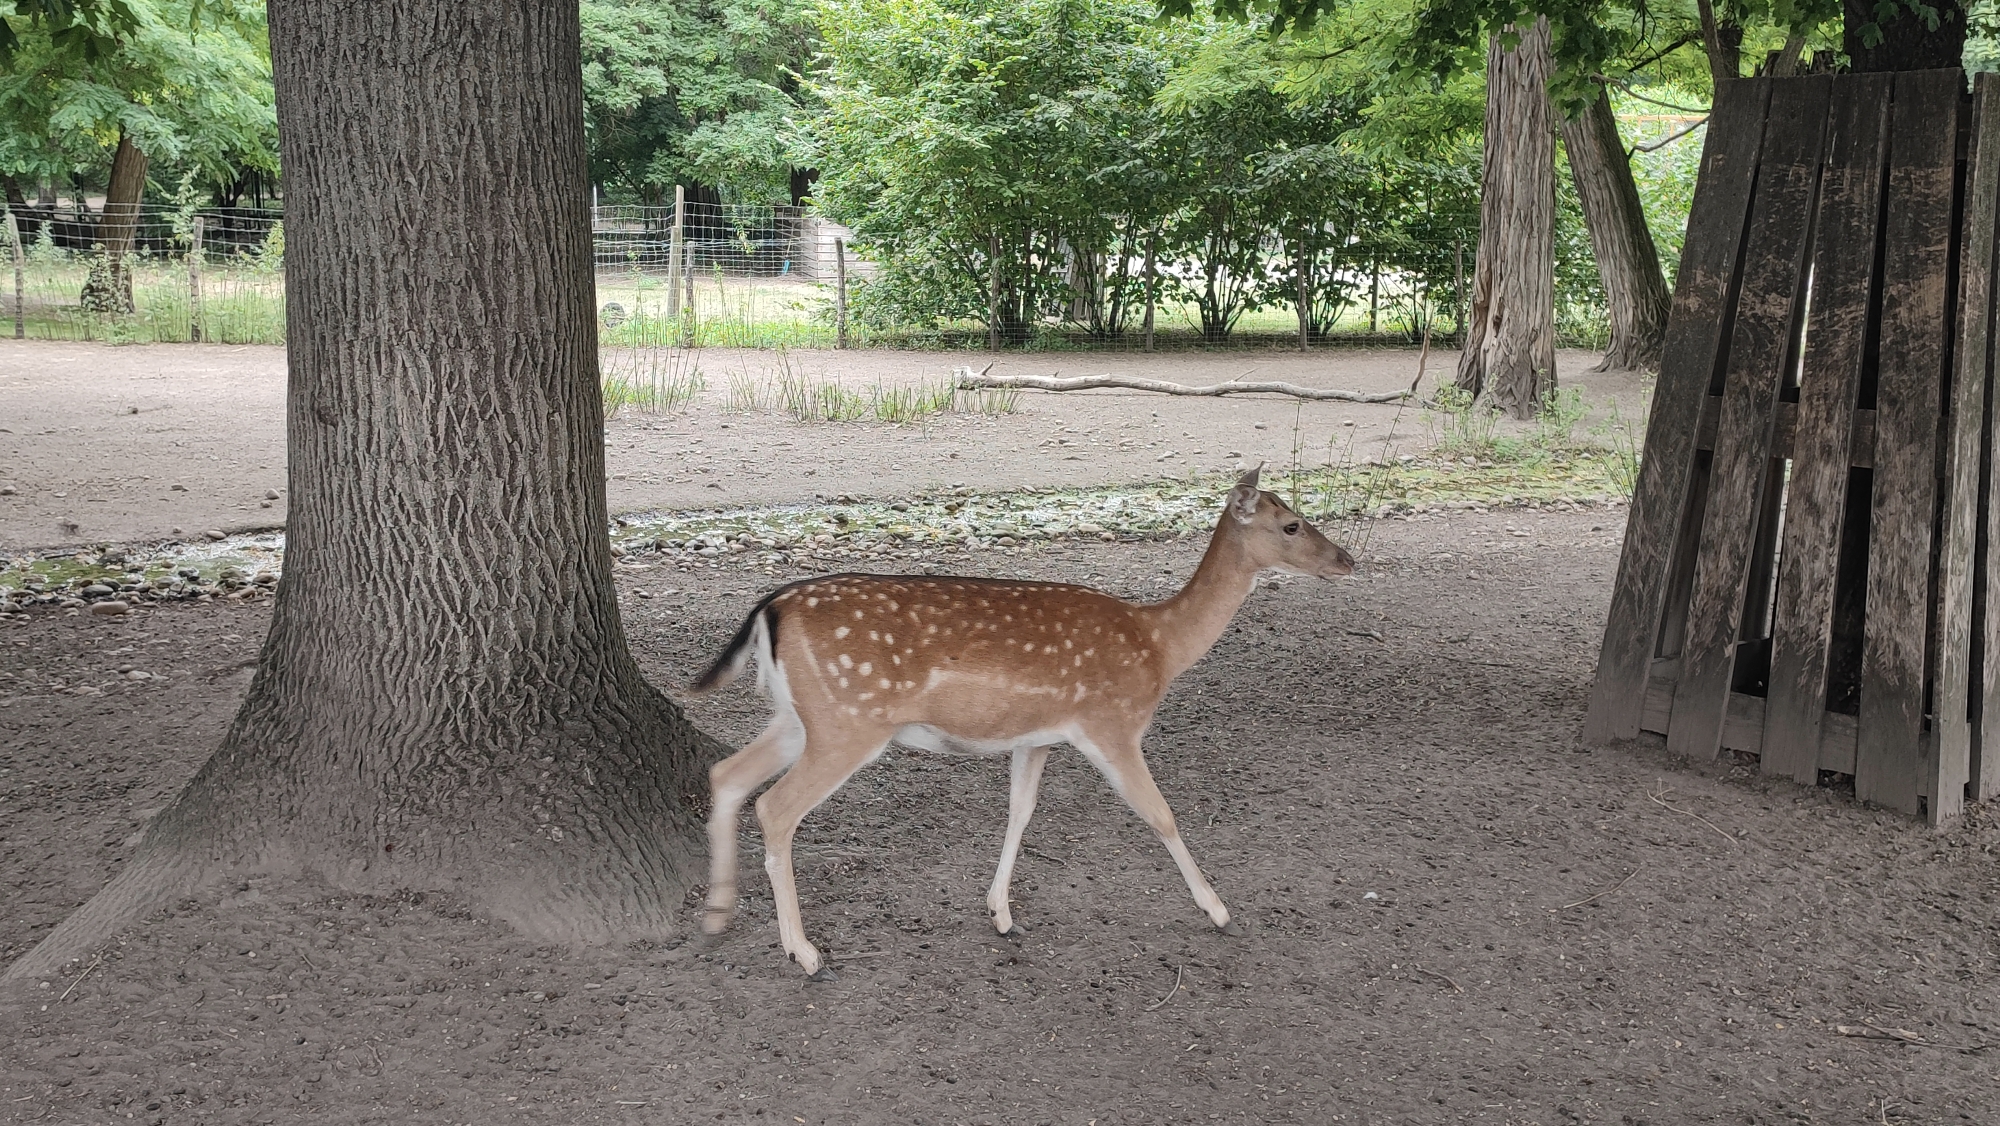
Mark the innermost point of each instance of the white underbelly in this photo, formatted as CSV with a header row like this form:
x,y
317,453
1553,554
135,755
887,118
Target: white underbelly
x,y
924,737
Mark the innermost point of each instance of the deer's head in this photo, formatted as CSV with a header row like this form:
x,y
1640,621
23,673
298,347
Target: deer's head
x,y
1277,539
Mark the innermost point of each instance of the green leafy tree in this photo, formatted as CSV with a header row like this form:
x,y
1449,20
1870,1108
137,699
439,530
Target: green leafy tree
x,y
168,95
697,94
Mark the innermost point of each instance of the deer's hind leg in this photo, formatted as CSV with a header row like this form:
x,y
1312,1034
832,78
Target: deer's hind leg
x,y
831,757
1119,758
729,782
1024,784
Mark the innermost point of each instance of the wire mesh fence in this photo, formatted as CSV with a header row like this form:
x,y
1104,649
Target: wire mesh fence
x,y
703,274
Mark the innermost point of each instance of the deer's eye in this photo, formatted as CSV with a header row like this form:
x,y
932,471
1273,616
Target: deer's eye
x,y
1292,529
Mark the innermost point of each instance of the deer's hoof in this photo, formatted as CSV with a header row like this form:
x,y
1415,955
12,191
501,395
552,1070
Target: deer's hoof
x,y
715,921
1231,929
1015,931
823,975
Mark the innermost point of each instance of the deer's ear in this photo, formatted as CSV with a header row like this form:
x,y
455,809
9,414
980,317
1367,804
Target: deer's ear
x,y
1243,499
1249,477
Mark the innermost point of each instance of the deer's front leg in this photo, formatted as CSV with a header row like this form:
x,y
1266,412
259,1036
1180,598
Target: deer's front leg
x,y
1026,782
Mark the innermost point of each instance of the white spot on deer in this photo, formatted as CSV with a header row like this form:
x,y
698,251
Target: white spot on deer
x,y
810,602
840,633
846,661
1078,694
887,638
832,669
866,696
874,636
857,615
867,667
852,710
886,682
843,682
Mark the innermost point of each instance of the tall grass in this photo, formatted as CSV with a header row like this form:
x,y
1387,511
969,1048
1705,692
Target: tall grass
x,y
654,379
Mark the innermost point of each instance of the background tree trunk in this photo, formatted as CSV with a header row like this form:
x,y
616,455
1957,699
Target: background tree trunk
x,y
1722,42
1906,44
1510,350
108,289
1627,261
445,699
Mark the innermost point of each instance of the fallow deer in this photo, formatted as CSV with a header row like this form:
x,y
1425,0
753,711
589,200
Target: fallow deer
x,y
852,663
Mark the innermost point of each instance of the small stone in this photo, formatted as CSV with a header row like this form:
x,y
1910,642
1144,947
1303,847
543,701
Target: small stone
x,y
215,534
263,504
179,488
270,494
6,490
265,578
109,609
99,590
136,674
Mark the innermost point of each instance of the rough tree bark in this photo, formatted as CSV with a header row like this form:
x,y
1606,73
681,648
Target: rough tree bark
x,y
1627,261
1510,352
445,698
108,289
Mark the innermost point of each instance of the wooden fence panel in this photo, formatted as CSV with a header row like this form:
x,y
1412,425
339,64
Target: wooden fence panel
x,y
1846,238
1691,354
1761,339
1892,759
1970,433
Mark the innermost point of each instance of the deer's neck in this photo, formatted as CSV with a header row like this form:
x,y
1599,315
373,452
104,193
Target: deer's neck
x,y
1190,622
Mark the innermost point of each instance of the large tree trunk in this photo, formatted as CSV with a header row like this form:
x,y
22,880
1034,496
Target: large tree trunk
x,y
1510,350
109,287
1627,261
1905,42
445,699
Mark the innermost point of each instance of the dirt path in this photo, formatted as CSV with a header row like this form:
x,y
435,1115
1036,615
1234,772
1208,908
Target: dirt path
x,y
139,444
1456,913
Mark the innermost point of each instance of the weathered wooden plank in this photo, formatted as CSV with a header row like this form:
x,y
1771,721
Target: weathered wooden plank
x,y
1892,765
1983,773
1860,446
1969,434
1846,237
1769,302
1746,726
1689,359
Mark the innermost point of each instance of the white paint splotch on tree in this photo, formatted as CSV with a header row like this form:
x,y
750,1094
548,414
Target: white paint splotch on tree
x,y
1627,261
1510,349
445,699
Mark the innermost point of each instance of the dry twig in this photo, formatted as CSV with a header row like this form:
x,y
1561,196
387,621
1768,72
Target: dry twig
x,y
1869,1030
1658,799
1170,993
1446,978
1601,894
969,380
79,978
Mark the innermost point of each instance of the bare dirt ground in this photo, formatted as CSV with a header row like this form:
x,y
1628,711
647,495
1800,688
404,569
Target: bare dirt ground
x,y
141,444
1455,912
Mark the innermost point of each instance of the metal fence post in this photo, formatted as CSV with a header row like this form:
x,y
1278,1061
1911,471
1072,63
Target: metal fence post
x,y
993,293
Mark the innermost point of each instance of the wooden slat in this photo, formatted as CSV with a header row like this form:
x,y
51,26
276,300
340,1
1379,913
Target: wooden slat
x,y
1950,770
1984,768
1860,445
1689,358
1890,766
1845,240
1773,285
1747,728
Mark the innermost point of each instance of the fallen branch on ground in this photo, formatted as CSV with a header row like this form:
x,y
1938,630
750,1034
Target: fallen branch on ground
x,y
969,380
1170,993
1601,894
